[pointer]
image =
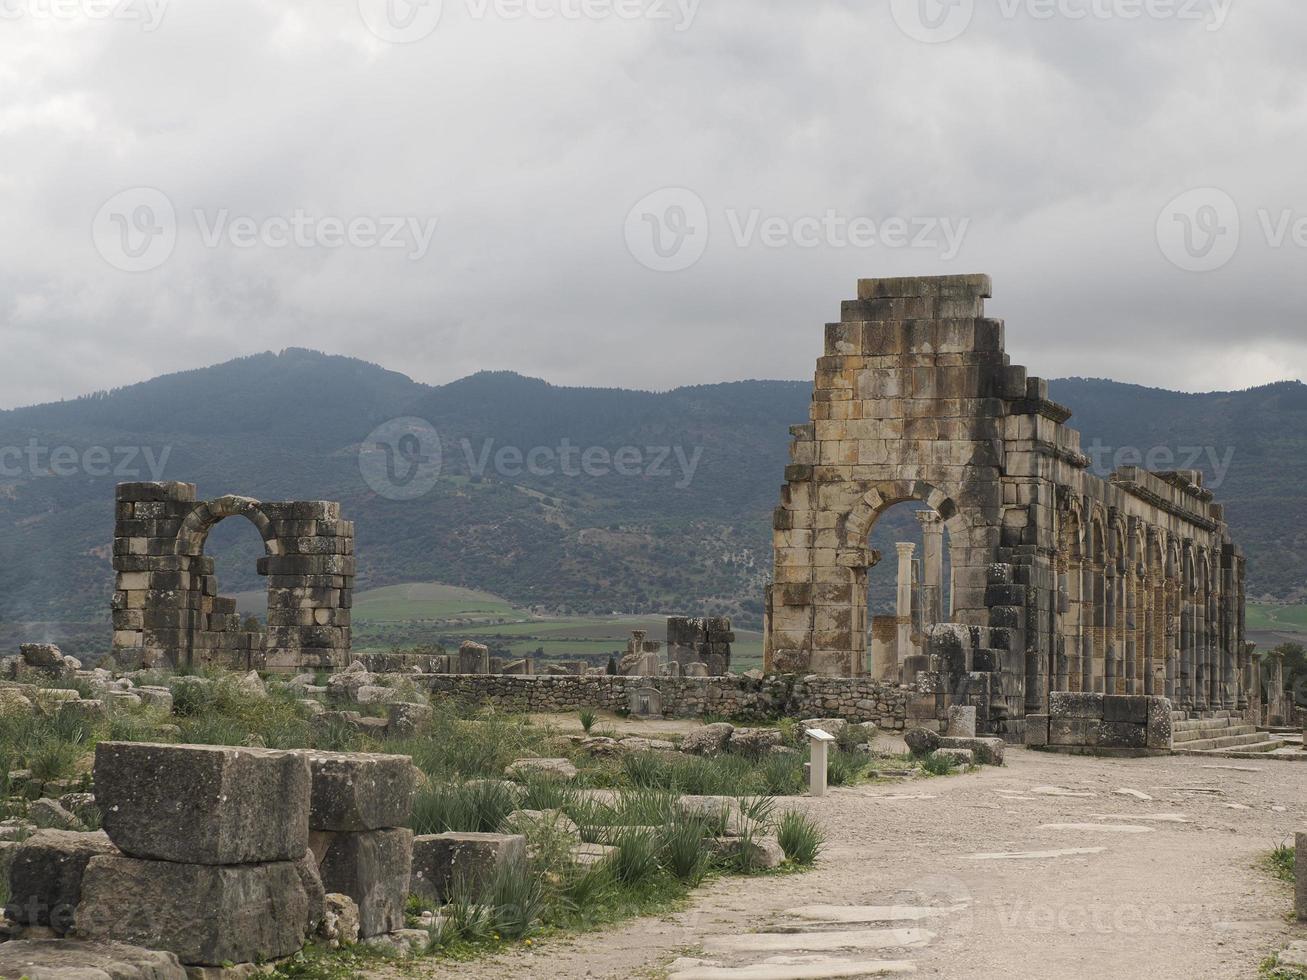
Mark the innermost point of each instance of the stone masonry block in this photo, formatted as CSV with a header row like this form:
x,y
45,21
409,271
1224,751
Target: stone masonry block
x,y
203,804
45,876
373,869
207,915
360,791
1075,704
445,863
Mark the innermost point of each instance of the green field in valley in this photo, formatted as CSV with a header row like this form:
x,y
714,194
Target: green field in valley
x,y
427,612
1279,619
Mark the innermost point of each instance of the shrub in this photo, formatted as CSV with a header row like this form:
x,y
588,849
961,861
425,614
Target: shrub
x,y
587,720
470,808
1280,862
54,759
939,765
781,774
682,852
800,837
636,860
844,768
516,898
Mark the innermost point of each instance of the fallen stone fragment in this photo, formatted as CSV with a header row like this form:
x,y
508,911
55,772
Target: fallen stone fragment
x,y
373,869
444,864
553,768
64,959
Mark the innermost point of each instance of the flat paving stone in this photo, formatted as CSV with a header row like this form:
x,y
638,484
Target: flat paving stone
x,y
794,968
850,914
1107,828
816,942
1135,793
1037,855
1151,817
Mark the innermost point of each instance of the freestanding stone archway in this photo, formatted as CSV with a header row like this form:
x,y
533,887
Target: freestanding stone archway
x,y
166,607
1062,581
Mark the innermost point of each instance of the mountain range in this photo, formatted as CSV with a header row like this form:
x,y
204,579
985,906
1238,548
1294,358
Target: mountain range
x,y
563,499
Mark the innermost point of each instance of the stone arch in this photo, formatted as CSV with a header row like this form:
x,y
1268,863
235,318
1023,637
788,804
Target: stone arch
x,y
205,516
854,529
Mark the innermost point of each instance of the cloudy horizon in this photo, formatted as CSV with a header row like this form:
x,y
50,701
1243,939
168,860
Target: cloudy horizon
x,y
644,193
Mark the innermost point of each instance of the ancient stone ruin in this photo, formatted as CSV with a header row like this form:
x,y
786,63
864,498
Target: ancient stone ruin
x,y
1061,581
166,610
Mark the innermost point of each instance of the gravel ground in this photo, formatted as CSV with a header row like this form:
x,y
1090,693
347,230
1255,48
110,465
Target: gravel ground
x,y
1108,892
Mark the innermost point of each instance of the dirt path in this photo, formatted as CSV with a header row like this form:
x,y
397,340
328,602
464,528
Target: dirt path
x,y
1107,891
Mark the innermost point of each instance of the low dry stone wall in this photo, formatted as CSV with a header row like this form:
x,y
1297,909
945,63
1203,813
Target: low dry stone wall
x,y
734,696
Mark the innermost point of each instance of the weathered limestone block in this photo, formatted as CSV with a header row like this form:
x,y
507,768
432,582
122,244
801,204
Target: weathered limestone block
x,y
922,741
1036,735
204,804
14,703
372,868
340,921
755,741
963,757
552,768
709,740
444,864
530,823
754,852
46,876
65,959
360,791
407,719
207,915
1160,733
473,658
961,721
987,751
1076,704
50,815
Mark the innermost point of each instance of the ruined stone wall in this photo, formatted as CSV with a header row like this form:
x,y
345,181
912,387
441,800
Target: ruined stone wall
x,y
1068,582
166,610
735,696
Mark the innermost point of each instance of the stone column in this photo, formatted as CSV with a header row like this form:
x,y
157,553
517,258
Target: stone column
x,y
932,578
903,611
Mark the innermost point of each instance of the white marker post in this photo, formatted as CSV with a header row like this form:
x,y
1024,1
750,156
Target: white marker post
x,y
818,742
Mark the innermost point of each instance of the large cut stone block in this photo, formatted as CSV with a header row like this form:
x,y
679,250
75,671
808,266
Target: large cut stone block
x,y
1075,704
358,791
372,868
207,915
203,804
64,959
986,751
445,863
45,878
1160,730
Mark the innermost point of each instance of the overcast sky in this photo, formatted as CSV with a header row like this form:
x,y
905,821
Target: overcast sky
x,y
645,193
